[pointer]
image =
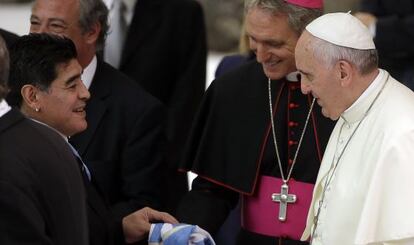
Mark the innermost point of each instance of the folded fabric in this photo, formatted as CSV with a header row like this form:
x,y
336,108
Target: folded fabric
x,y
179,234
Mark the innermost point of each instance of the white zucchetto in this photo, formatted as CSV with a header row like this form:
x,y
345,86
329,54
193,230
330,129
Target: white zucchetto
x,y
342,29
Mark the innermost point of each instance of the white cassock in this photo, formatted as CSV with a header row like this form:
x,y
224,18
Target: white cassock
x,y
370,199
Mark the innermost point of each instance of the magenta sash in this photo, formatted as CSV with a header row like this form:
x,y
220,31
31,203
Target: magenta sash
x,y
260,213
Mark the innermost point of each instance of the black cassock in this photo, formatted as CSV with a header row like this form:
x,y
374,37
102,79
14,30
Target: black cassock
x,y
231,146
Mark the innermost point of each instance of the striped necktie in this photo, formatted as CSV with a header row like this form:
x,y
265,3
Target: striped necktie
x,y
84,169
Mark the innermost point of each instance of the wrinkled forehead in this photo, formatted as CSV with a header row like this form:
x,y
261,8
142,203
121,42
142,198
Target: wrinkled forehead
x,y
303,46
261,24
304,52
56,9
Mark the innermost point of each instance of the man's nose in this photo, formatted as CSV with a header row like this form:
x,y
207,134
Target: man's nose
x,y
84,93
262,54
305,87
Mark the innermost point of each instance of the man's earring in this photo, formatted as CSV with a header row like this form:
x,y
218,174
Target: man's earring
x,y
37,109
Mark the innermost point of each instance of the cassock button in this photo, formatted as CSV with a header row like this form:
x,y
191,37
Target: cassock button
x,y
292,142
293,105
293,124
290,161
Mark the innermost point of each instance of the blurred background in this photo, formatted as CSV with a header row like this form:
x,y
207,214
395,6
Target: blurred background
x,y
224,19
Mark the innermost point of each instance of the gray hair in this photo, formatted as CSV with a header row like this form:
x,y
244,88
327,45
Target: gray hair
x,y
4,68
364,60
90,12
298,17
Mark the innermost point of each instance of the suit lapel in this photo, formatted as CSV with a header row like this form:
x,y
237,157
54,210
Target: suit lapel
x,y
142,24
95,108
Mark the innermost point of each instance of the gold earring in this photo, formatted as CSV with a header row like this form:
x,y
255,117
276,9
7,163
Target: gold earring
x,y
37,109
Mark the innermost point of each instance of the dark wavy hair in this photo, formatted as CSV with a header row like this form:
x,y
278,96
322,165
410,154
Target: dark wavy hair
x,y
91,12
34,60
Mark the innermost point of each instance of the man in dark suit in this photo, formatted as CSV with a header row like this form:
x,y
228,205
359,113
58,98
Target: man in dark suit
x,y
9,37
45,84
165,51
122,145
42,199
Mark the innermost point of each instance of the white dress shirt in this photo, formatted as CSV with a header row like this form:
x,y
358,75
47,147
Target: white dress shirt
x,y
4,108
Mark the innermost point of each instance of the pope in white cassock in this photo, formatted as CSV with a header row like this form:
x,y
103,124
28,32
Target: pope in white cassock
x,y
364,193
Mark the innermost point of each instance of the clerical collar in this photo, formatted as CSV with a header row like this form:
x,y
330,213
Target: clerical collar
x,y
359,108
372,87
293,76
52,128
89,72
4,107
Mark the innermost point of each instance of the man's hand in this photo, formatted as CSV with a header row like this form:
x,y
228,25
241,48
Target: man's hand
x,y
366,18
137,225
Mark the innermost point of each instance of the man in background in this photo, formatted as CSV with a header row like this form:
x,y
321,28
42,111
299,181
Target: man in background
x,y
123,144
162,46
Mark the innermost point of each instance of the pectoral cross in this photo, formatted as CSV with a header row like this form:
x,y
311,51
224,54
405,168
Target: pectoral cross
x,y
283,199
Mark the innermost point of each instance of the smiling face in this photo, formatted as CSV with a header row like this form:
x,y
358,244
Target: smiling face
x,y
272,40
62,105
61,17
319,79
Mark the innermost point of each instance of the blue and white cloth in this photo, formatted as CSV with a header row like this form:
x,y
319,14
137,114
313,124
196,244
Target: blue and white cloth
x,y
178,234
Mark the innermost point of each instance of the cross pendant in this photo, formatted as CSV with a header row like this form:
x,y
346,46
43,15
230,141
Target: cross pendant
x,y
283,198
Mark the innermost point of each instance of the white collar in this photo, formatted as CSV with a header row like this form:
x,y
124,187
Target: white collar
x,y
89,72
368,91
4,107
293,76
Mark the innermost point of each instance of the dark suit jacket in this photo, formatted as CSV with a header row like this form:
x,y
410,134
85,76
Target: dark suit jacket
x,y
123,142
8,37
104,228
42,198
165,51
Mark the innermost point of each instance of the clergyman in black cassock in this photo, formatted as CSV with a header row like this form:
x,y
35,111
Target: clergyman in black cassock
x,y
246,136
231,146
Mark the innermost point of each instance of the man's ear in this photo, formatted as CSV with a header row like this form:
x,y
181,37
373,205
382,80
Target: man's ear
x,y
92,35
30,96
346,72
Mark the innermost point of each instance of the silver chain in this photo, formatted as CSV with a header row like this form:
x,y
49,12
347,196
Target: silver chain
x,y
285,180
